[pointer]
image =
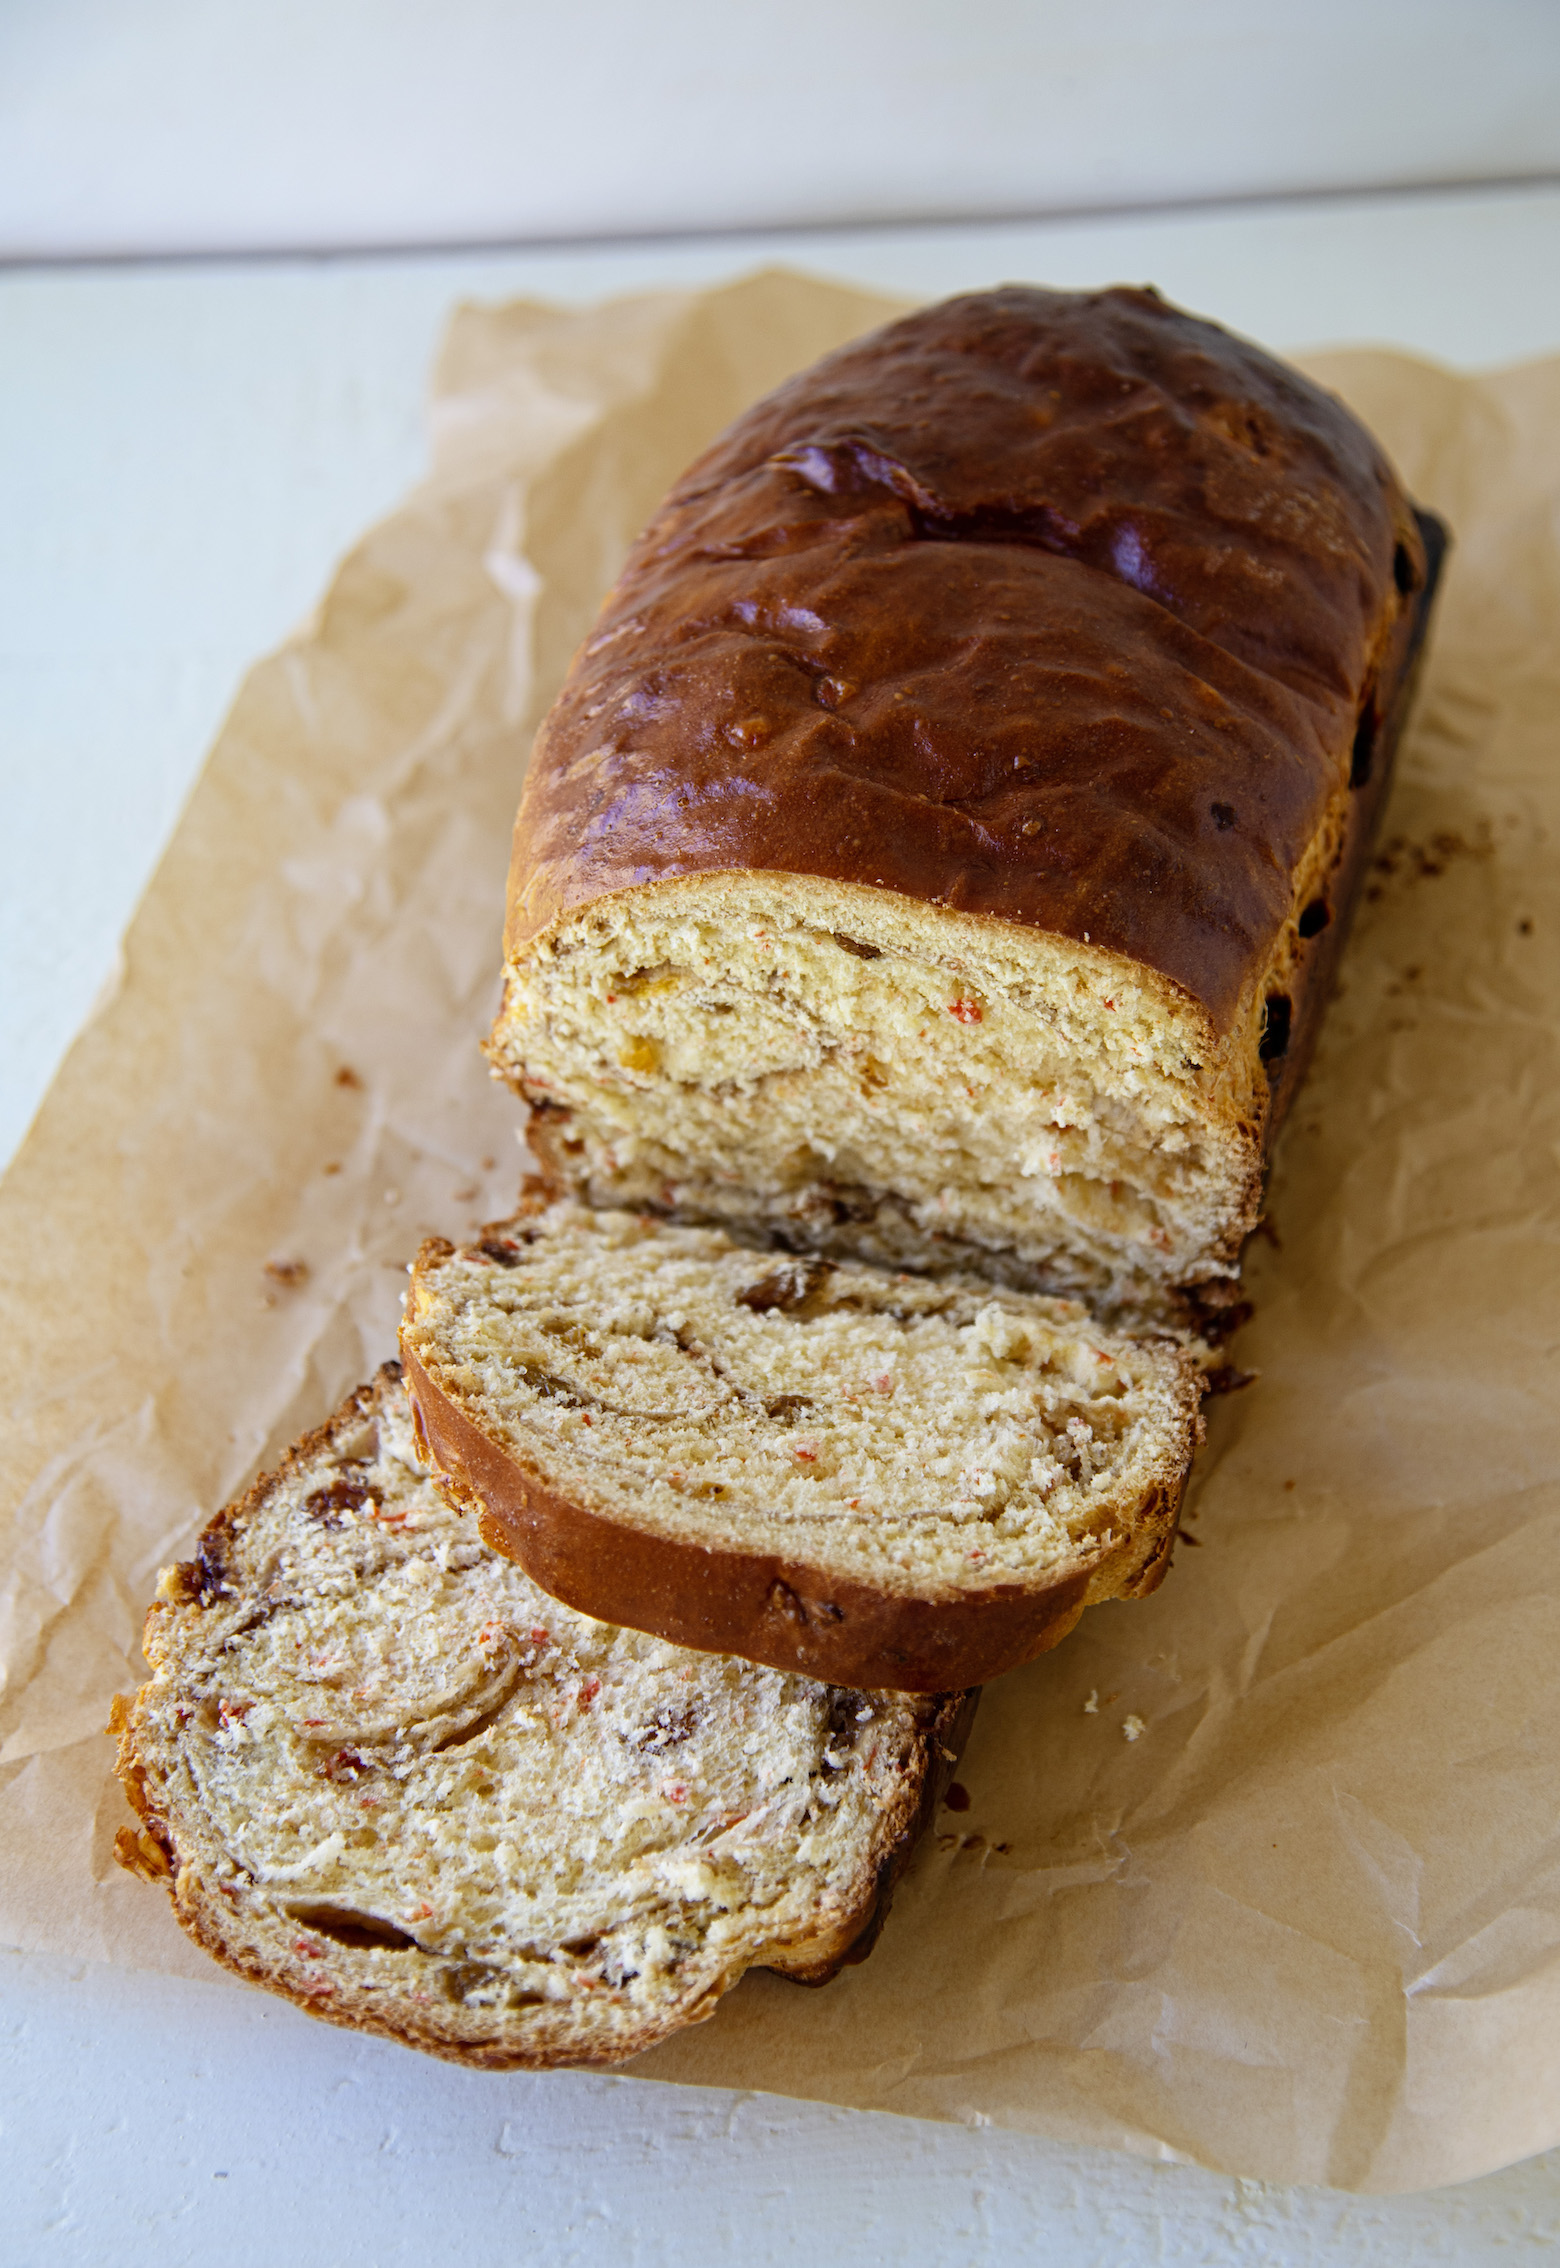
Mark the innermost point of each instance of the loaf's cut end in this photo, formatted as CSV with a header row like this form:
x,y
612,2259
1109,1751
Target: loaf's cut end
x,y
857,1073
381,1772
939,849
870,1476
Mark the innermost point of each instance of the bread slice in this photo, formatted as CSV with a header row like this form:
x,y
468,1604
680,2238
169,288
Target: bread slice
x,y
939,850
380,1772
871,1477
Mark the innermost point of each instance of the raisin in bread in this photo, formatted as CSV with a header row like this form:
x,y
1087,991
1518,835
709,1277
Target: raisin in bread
x,y
380,1772
939,851
876,1478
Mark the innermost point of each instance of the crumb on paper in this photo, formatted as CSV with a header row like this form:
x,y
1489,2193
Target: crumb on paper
x,y
1226,1378
347,1077
288,1273
1133,1728
332,1165
1091,1707
140,1853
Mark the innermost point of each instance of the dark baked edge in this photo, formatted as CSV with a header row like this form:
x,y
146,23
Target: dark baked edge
x,y
941,1743
1311,987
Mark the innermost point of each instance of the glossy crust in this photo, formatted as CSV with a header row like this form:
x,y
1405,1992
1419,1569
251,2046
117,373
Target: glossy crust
x,y
1059,609
542,2041
784,1613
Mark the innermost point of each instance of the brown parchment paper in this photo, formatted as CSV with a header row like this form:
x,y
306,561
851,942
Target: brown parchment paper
x,y
1306,1926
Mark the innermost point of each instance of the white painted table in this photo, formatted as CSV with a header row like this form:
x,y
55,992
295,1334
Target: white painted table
x,y
185,451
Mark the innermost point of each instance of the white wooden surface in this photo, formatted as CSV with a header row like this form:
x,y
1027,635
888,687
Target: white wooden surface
x,y
275,124
184,451
154,2124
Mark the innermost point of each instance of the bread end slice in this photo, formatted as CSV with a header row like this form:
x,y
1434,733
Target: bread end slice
x,y
381,1773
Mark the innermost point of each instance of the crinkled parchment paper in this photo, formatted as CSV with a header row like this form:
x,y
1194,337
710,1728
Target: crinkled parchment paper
x,y
1307,1924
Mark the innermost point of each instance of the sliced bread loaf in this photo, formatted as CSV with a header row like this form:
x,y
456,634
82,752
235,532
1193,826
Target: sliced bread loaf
x,y
876,1478
379,1771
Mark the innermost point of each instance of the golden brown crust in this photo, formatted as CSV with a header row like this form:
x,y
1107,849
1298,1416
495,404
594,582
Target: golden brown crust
x,y
784,1613
1059,609
302,1971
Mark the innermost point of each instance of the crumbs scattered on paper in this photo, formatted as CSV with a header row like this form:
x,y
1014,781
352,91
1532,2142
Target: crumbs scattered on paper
x,y
1132,1728
1091,1707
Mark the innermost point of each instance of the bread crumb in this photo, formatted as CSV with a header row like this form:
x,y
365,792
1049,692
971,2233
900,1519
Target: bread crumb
x,y
1132,1728
1091,1707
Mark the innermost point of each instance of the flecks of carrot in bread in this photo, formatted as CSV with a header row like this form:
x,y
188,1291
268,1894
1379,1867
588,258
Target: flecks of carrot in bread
x,y
382,1772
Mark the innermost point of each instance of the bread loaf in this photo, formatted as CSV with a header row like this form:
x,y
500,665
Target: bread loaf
x,y
932,868
939,849
875,1478
379,1771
